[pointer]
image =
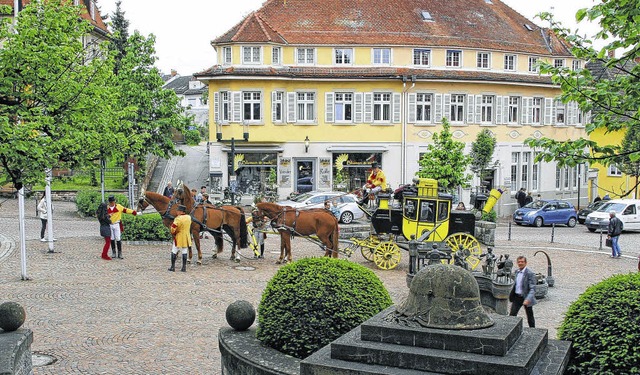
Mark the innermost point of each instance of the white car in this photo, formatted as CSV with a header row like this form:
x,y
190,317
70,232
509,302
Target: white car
x,y
627,210
348,209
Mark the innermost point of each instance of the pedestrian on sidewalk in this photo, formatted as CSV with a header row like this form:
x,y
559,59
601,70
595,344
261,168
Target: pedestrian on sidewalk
x,y
613,232
168,190
42,214
105,229
523,291
180,229
115,211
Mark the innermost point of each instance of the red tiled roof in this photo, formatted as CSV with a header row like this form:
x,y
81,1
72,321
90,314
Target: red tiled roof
x,y
456,23
372,73
98,23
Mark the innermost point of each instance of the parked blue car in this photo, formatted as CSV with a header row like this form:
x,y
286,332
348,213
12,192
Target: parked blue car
x,y
546,212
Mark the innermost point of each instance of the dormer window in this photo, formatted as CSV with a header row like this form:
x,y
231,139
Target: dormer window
x,y
558,63
510,62
251,55
226,55
426,16
453,58
382,56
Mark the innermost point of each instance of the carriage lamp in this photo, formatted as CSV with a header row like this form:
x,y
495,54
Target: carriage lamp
x,y
306,144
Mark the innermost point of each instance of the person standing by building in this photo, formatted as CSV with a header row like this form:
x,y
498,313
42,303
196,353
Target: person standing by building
x,y
42,214
528,199
521,196
181,231
168,190
200,195
523,292
376,182
105,229
614,230
115,211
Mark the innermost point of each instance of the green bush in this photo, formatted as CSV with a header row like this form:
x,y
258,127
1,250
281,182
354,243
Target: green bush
x,y
148,227
313,301
602,325
87,201
191,137
489,216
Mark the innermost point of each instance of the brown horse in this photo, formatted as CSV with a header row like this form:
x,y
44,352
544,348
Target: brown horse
x,y
290,221
168,210
207,217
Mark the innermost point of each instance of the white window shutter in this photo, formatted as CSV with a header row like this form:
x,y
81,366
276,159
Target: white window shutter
x,y
471,110
571,109
437,111
505,110
236,104
273,107
478,109
357,115
216,107
525,111
411,108
530,110
446,106
498,119
368,107
548,104
291,107
586,118
554,110
396,108
328,107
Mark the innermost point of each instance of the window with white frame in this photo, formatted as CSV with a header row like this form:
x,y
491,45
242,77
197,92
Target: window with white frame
x,y
277,106
533,64
535,173
453,58
421,57
226,55
423,107
525,172
510,62
614,170
381,107
456,113
276,55
486,108
251,55
343,107
576,65
560,112
515,168
252,106
306,102
536,110
514,104
382,56
482,60
567,177
343,56
225,106
305,56
558,63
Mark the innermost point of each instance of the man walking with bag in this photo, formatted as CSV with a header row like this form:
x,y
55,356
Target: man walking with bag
x,y
613,233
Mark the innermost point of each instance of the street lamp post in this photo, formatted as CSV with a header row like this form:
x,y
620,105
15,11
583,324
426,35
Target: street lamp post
x,y
231,178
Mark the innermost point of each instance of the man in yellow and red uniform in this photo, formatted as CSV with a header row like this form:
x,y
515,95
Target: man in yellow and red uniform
x,y
115,211
181,231
375,183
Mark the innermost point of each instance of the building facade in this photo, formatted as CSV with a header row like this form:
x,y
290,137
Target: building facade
x,y
314,91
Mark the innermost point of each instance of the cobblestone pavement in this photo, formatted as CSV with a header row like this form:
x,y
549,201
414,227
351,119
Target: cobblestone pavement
x,y
132,316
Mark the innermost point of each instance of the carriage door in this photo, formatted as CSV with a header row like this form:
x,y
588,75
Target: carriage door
x,y
305,175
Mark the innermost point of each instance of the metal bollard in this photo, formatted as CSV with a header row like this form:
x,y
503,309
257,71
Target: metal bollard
x,y
553,231
600,248
509,238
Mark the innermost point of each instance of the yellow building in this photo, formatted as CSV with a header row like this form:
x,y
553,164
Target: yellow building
x,y
322,88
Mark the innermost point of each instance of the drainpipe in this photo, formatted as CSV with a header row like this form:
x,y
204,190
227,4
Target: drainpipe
x,y
404,101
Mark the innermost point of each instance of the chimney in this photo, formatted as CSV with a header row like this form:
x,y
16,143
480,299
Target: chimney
x,y
173,72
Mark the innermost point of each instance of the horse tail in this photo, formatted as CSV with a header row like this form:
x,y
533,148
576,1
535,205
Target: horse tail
x,y
335,236
244,242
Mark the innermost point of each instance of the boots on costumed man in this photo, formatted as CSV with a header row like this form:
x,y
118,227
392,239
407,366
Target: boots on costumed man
x,y
173,262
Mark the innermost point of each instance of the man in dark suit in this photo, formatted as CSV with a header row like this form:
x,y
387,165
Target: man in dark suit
x,y
523,291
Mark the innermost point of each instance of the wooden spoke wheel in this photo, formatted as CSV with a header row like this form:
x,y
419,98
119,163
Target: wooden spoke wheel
x,y
467,242
368,247
387,255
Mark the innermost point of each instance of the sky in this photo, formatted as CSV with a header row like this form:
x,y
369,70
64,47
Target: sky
x,y
184,30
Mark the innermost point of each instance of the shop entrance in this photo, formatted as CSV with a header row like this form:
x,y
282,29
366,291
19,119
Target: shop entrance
x,y
305,175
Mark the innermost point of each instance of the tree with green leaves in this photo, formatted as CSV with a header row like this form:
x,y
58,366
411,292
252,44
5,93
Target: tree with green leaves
x,y
53,92
628,165
120,29
482,153
445,161
612,100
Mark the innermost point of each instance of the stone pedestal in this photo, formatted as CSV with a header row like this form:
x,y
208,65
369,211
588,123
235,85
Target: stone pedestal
x,y
485,232
15,352
493,295
380,347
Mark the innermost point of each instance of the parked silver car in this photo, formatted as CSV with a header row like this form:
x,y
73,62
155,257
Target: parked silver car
x,y
348,209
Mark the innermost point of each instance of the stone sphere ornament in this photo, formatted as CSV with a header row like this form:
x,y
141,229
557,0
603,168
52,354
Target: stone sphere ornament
x,y
12,316
240,315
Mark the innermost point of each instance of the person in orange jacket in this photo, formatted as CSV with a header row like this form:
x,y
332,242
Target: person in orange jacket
x,y
375,183
181,231
115,211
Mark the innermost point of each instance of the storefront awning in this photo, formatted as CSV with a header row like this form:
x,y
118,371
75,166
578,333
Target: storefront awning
x,y
357,148
254,149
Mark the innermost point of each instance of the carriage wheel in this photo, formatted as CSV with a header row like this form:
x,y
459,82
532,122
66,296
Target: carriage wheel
x,y
387,255
368,247
467,242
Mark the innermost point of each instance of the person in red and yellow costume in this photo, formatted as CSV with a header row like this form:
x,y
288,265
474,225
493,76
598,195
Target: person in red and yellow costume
x,y
181,231
375,183
115,211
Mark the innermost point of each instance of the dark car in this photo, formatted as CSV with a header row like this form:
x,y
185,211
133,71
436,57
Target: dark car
x,y
583,213
549,212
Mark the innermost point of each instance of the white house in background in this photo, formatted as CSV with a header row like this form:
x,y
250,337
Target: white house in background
x,y
190,91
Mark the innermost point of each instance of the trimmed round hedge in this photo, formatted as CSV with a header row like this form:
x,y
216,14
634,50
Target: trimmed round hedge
x,y
603,327
313,301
